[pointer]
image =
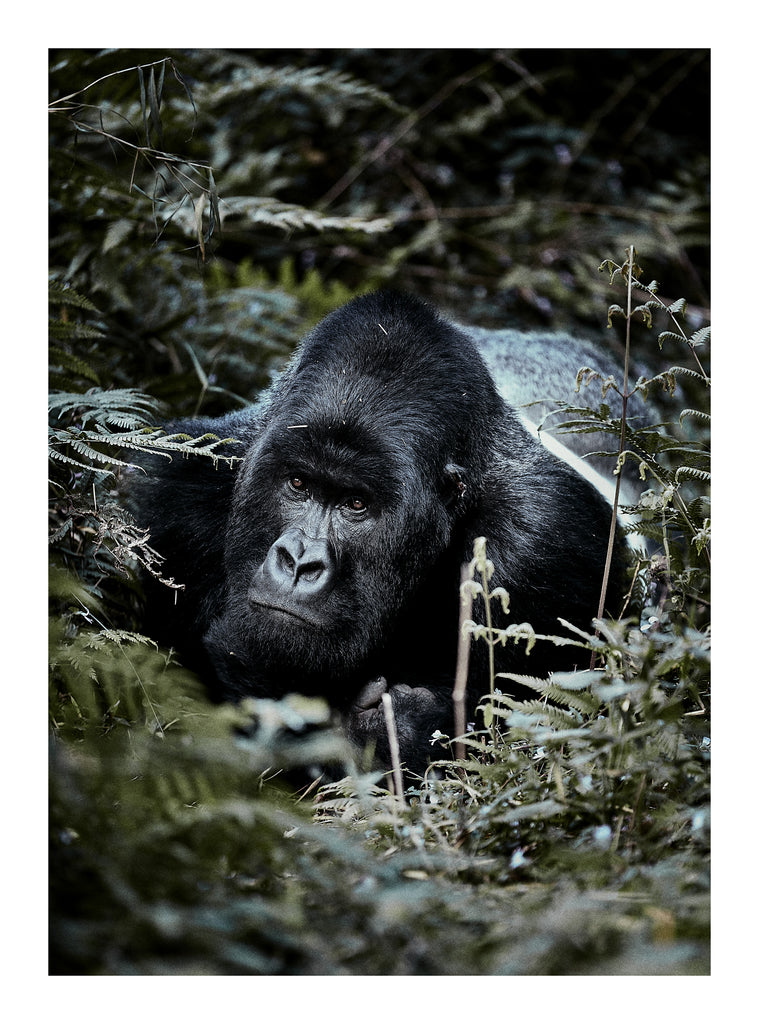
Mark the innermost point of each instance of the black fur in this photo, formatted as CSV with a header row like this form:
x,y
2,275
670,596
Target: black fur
x,y
328,562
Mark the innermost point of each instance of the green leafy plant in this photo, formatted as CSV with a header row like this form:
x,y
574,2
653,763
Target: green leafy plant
x,y
676,507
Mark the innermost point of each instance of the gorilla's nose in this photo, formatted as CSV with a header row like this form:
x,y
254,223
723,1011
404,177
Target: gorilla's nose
x,y
300,565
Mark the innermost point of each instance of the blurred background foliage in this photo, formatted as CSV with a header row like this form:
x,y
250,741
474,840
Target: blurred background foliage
x,y
206,208
490,182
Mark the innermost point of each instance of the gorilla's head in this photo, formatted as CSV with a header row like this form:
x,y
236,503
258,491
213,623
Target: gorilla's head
x,y
372,450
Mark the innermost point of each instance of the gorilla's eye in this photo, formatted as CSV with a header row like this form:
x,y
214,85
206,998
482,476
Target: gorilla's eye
x,y
298,484
356,504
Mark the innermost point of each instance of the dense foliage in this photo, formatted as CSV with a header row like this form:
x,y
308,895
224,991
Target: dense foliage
x,y
206,208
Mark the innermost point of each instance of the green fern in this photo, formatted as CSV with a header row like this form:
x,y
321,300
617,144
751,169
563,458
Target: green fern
x,y
117,407
570,689
117,422
67,367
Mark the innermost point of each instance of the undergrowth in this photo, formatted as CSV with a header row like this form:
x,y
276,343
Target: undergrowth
x,y
577,821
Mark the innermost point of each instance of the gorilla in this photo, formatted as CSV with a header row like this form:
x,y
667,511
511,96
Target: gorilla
x,y
327,560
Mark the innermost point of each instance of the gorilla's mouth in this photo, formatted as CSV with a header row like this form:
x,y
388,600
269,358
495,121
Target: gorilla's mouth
x,y
288,613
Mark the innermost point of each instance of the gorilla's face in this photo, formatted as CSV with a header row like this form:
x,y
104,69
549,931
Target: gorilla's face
x,y
332,529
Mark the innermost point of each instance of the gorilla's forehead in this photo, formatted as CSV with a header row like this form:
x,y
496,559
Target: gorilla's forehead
x,y
384,413
345,449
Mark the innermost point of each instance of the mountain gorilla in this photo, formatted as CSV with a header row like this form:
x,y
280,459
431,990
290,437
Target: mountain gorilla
x,y
328,561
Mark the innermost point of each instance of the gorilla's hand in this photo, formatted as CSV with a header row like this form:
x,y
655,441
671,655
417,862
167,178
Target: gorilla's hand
x,y
418,713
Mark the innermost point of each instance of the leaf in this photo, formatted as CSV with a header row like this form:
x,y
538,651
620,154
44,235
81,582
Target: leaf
x,y
198,207
144,105
698,414
184,85
701,337
615,310
644,312
288,216
691,473
669,336
214,217
59,294
116,233
101,406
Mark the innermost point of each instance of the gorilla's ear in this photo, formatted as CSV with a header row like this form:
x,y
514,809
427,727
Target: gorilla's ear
x,y
454,484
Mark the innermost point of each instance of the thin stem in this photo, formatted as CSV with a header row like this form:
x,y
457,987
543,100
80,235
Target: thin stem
x,y
462,662
146,151
112,74
622,439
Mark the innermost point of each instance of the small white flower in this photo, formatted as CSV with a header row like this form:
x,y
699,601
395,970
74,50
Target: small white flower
x,y
518,859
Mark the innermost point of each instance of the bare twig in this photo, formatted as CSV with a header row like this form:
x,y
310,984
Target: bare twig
x,y
395,752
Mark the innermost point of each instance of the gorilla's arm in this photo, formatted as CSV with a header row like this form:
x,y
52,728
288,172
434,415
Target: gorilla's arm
x,y
419,712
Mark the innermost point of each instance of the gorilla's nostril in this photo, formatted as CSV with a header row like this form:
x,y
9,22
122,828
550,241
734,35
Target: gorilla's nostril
x,y
310,572
286,561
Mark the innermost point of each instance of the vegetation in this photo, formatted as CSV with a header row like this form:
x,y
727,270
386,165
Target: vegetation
x,y
206,208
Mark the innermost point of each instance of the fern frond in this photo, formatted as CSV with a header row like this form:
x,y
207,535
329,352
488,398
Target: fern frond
x,y
72,330
678,306
60,456
531,713
568,688
289,217
685,371
538,685
62,362
698,414
106,636
691,473
700,507
83,448
103,406
700,337
59,294
147,439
